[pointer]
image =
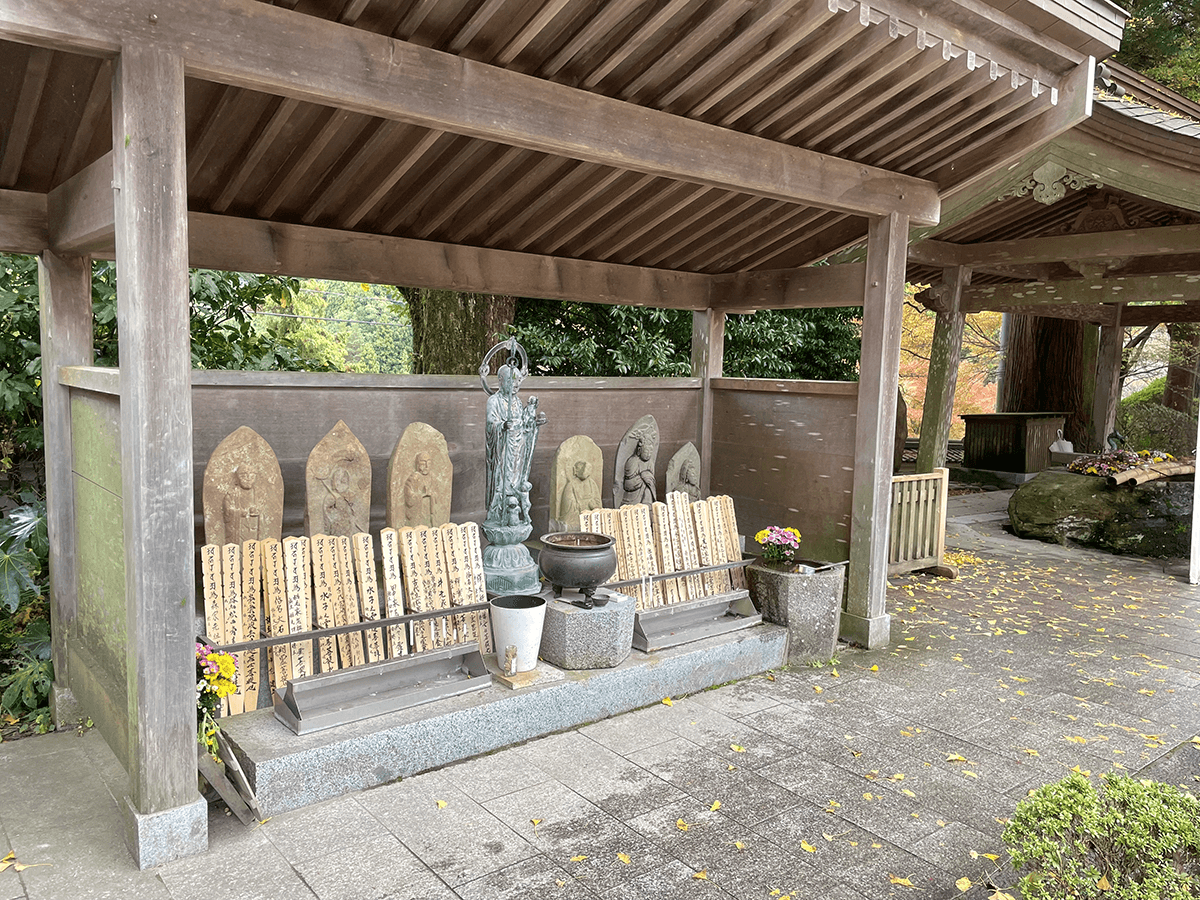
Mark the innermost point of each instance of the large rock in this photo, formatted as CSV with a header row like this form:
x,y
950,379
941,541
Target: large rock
x,y
1153,519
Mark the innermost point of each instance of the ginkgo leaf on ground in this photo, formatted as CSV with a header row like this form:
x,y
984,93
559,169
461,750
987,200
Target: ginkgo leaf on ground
x,y
896,879
716,804
963,884
667,701
807,847
702,875
623,857
441,804
580,858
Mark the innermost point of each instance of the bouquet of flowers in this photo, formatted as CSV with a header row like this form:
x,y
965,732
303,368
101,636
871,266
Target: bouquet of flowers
x,y
1112,462
780,545
215,673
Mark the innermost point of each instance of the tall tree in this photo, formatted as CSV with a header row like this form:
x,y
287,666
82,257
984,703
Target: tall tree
x,y
1162,40
453,330
1045,371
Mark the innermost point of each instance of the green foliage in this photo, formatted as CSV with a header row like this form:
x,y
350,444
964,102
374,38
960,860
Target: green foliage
x,y
348,326
24,553
603,341
1161,40
1135,840
25,669
223,332
1148,425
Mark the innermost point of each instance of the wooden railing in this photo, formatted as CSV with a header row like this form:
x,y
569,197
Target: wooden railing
x,y
918,530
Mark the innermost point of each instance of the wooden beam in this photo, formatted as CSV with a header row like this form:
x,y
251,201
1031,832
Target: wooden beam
x,y
1074,105
20,126
1108,380
1161,314
23,222
80,210
1088,291
380,76
156,430
708,360
65,295
865,620
1101,314
810,287
1101,245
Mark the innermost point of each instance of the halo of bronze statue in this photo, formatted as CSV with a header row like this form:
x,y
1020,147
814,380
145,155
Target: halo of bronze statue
x,y
511,430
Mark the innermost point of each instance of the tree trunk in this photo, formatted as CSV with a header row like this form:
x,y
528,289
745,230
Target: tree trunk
x,y
1045,371
1181,366
453,330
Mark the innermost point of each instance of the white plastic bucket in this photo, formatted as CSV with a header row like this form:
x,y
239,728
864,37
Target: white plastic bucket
x,y
517,622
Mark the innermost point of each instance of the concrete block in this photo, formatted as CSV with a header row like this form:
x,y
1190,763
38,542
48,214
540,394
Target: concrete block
x,y
170,834
597,638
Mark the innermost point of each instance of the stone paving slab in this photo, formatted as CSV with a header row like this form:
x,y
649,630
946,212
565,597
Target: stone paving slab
x,y
838,782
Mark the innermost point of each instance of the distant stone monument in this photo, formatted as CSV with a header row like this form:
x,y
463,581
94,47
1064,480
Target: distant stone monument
x,y
577,467
512,429
243,491
338,484
683,472
633,476
420,476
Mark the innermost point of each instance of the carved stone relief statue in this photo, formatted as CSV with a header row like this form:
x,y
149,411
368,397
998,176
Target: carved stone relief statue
x,y
242,491
338,485
420,477
633,476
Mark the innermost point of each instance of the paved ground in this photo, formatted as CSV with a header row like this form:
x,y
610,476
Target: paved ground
x,y
840,782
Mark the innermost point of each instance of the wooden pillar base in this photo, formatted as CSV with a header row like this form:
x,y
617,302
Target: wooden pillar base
x,y
169,834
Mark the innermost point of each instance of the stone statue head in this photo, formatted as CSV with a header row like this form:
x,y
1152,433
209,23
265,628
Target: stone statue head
x,y
245,477
687,472
422,463
510,379
643,448
582,469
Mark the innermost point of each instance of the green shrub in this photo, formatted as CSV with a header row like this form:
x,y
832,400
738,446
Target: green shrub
x,y
1132,840
1152,426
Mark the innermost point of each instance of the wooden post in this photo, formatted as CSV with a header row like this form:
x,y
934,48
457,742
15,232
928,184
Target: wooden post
x,y
708,359
65,289
943,371
150,196
865,620
1108,381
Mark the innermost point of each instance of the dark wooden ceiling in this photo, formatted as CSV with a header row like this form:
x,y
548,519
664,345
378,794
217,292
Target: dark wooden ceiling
x,y
890,86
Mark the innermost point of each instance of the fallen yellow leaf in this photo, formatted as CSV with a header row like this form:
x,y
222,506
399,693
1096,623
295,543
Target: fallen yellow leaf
x,y
737,748
1086,773
681,825
874,668
896,879
954,757
715,806
907,793
667,701
441,804
963,884
807,847
1032,752
623,857
868,796
1075,739
702,875
579,858
536,822
738,845
1001,895
818,688
1103,883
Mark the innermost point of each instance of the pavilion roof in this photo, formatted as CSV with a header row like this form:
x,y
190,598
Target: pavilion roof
x,y
645,134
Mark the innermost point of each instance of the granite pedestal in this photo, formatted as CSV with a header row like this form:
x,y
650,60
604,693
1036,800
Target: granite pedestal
x,y
597,638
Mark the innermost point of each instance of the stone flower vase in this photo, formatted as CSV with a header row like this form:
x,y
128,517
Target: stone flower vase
x,y
805,598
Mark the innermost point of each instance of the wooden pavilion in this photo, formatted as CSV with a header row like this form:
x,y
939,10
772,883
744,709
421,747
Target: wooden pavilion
x,y
1100,224
688,154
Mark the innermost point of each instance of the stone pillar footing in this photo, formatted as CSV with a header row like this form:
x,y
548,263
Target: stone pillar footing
x,y
157,838
871,632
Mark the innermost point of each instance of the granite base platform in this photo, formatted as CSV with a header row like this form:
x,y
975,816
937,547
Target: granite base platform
x,y
288,770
